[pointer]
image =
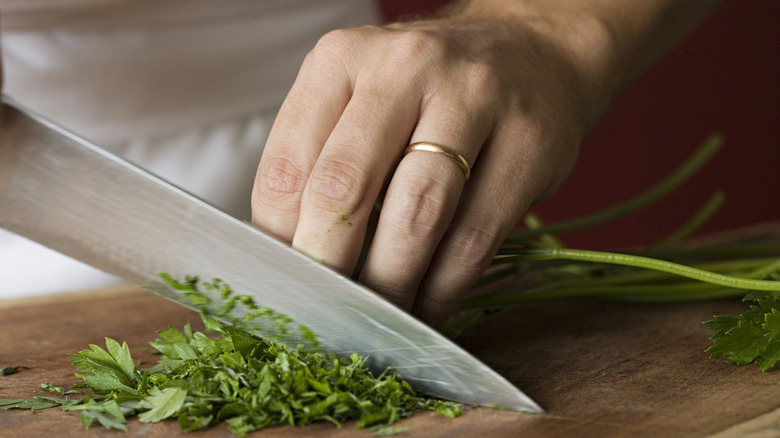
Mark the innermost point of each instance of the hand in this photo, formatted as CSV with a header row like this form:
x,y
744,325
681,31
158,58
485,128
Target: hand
x,y
497,92
513,95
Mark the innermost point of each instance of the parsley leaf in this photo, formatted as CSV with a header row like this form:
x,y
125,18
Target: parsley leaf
x,y
107,412
162,403
753,336
107,370
22,403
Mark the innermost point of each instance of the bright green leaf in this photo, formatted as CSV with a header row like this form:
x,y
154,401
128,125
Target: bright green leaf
x,y
163,404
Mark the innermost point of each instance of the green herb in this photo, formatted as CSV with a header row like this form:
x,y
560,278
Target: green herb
x,y
105,411
662,272
58,389
7,371
51,388
753,336
236,377
35,403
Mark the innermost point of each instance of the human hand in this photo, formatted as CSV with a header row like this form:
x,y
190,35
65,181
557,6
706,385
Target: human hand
x,y
504,94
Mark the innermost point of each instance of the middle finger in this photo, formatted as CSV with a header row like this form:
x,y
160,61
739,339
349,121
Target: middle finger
x,y
350,171
423,195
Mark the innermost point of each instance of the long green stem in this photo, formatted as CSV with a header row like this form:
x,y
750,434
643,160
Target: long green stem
x,y
772,268
729,250
533,222
599,274
642,285
705,151
695,223
649,263
644,293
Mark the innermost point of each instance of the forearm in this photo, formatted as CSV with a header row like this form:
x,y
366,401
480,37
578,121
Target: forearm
x,y
612,41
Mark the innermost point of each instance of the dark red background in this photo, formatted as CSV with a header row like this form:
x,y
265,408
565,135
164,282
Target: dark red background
x,y
724,79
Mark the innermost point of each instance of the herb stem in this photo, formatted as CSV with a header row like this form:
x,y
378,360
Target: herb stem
x,y
675,179
695,223
648,263
603,275
636,293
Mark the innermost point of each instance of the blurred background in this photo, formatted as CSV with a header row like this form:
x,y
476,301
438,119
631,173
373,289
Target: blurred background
x,y
725,79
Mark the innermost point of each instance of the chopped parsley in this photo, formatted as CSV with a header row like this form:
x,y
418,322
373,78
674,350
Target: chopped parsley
x,y
235,377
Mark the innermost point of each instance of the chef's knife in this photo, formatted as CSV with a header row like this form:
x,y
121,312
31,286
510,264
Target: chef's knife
x,y
76,198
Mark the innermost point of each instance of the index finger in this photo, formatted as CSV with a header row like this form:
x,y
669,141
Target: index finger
x,y
363,148
299,132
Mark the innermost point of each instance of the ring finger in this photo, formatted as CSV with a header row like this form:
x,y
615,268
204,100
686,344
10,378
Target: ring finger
x,y
422,197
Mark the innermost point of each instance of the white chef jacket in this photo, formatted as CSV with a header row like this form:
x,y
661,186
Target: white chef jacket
x,y
185,88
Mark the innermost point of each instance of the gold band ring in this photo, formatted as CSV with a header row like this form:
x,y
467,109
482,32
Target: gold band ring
x,y
428,146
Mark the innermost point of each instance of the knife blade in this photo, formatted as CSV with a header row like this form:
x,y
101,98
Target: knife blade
x,y
76,198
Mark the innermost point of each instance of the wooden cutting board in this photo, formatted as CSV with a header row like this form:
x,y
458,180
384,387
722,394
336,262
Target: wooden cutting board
x,y
599,369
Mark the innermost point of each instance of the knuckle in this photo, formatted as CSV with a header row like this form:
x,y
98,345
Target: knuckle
x,y
437,307
472,88
421,209
280,179
399,296
416,43
334,42
413,54
483,79
338,182
475,240
332,50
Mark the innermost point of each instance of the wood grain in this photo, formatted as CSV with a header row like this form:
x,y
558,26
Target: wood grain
x,y
600,369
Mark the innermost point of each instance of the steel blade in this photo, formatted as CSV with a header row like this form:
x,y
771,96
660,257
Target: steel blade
x,y
76,198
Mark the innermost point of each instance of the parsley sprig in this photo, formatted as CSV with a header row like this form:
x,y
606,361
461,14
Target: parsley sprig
x,y
534,264
753,336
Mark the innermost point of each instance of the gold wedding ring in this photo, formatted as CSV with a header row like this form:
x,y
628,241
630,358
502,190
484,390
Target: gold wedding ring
x,y
428,146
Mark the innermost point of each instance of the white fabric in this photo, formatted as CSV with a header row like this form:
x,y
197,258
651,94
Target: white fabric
x,y
186,88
